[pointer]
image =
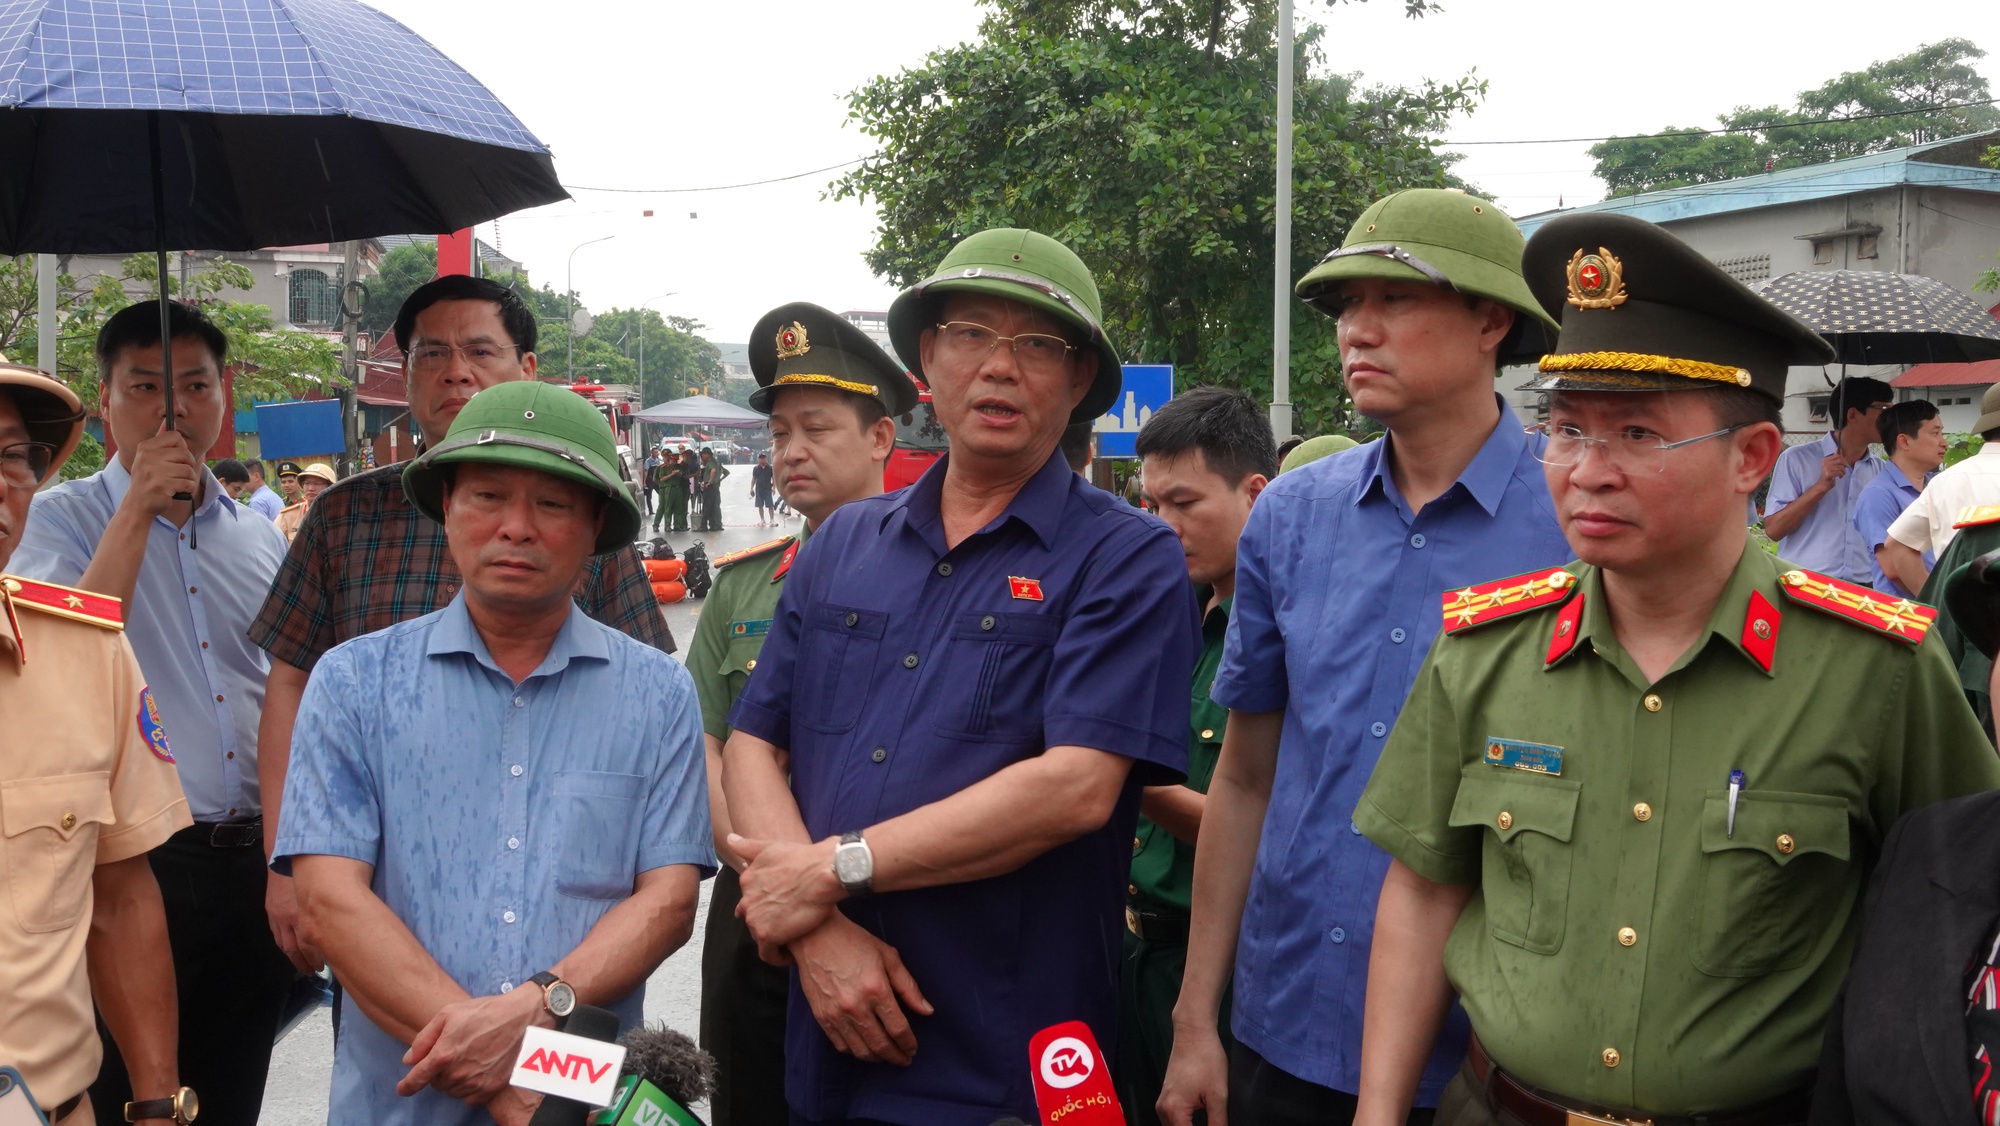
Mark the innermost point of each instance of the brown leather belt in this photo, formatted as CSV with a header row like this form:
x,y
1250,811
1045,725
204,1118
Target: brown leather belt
x,y
1535,1107
226,834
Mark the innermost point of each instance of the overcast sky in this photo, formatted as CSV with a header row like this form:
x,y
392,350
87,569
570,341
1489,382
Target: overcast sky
x,y
655,94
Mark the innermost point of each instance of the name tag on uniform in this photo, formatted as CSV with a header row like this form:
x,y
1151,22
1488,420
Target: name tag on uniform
x,y
750,629
1541,758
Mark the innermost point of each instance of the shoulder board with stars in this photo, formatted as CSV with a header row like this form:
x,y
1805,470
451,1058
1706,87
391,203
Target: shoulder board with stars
x,y
1504,598
1977,514
1896,617
789,543
64,601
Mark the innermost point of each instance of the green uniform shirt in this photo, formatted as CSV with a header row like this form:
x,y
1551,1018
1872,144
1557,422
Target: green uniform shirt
x,y
1973,666
735,619
1623,947
1163,864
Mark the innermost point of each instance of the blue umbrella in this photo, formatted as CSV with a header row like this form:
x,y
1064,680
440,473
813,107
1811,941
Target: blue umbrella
x,y
238,124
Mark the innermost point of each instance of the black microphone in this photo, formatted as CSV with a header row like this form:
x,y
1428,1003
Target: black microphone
x,y
665,1073
592,1023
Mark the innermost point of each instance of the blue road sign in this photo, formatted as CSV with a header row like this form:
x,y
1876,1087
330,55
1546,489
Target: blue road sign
x,y
1147,389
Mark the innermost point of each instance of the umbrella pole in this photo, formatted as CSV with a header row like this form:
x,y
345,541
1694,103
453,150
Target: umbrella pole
x,y
166,330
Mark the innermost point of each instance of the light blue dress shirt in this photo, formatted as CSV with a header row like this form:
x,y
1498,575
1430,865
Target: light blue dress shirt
x,y
502,820
1339,590
1826,541
190,608
267,503
1875,509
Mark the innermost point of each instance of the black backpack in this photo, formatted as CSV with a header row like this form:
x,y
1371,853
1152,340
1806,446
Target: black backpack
x,y
660,549
698,579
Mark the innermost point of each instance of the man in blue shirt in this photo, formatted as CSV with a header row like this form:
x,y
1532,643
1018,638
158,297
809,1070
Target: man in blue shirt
x,y
192,575
267,503
1913,437
973,679
1810,508
501,794
1339,578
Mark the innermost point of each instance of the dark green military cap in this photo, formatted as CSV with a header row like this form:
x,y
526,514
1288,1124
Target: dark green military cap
x,y
1643,311
1442,237
1023,266
804,345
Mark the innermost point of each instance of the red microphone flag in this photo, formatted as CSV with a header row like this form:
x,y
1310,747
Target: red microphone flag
x,y
1072,1078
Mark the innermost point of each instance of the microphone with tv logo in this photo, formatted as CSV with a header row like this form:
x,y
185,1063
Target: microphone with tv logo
x,y
1072,1078
665,1074
562,1065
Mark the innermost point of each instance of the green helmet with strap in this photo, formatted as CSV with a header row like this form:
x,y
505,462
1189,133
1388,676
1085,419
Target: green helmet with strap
x,y
1438,236
531,425
1018,265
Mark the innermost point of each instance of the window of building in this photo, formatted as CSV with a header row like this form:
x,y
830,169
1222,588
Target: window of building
x,y
314,298
1816,407
1822,251
1865,246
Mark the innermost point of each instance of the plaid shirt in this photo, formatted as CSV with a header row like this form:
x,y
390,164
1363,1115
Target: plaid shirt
x,y
365,560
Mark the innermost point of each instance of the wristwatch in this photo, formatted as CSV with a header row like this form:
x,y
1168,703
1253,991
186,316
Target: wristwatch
x,y
557,996
181,1108
854,864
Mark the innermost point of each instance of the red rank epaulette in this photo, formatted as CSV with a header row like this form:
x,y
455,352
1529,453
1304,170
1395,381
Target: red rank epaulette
x,y
722,561
1897,617
65,601
1976,514
1489,602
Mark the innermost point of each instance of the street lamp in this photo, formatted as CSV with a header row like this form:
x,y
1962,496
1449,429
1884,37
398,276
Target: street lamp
x,y
569,283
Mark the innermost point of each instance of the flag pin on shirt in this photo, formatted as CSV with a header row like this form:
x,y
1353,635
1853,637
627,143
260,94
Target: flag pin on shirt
x,y
1029,589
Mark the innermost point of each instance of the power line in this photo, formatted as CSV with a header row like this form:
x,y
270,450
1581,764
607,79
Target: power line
x,y
719,187
1734,128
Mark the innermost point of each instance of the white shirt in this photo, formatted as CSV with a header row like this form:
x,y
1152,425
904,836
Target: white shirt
x,y
1927,524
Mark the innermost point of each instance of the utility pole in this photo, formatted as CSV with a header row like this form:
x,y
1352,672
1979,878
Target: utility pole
x,y
350,359
1281,295
45,312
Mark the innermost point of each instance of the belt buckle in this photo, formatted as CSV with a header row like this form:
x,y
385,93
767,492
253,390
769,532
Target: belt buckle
x,y
1579,1118
1132,923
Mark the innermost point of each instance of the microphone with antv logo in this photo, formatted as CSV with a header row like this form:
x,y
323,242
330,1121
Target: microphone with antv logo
x,y
1072,1078
590,1022
665,1073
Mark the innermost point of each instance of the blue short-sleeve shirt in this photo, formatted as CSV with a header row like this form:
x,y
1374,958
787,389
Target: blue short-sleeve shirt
x,y
1339,591
502,821
1875,509
898,673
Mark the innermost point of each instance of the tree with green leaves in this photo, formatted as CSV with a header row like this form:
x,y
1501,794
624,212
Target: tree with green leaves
x,y
1927,95
1143,134
398,275
677,358
270,363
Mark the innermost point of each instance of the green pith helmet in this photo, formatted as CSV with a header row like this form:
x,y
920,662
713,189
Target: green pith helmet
x,y
1643,311
532,425
1439,237
804,345
1023,266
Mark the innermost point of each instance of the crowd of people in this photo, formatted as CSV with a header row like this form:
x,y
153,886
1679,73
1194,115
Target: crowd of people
x,y
1489,771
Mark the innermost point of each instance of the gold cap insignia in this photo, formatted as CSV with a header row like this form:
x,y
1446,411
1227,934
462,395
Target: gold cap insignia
x,y
792,341
1596,281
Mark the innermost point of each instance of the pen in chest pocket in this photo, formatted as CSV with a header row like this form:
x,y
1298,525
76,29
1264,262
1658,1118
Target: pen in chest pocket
x,y
1736,783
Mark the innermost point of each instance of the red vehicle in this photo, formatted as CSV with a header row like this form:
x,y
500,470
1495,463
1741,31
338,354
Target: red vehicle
x,y
919,442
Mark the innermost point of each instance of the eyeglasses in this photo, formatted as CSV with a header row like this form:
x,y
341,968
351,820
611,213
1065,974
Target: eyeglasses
x,y
24,464
430,359
1393,253
1037,353
1631,450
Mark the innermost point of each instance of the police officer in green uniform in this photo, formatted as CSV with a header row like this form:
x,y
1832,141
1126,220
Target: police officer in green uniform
x,y
1632,802
830,392
1978,534
1204,458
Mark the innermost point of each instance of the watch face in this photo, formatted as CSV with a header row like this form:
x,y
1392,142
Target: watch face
x,y
852,865
561,998
186,1106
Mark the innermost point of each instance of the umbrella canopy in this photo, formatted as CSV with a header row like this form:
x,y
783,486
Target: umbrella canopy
x,y
257,123
1878,318
701,410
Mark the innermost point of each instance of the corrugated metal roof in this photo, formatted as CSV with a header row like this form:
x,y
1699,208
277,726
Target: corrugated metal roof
x,y
1984,372
1932,165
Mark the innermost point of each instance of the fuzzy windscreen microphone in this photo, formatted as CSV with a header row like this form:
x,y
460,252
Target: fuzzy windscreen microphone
x,y
664,1074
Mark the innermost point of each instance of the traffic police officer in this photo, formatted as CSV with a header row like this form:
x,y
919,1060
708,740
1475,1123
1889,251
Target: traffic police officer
x,y
87,787
829,390
1640,795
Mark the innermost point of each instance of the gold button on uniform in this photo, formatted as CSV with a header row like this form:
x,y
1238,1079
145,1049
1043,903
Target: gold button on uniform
x,y
1208,732
750,664
1132,889
1652,701
1642,812
1786,844
1611,1057
1505,820
1627,936
69,821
